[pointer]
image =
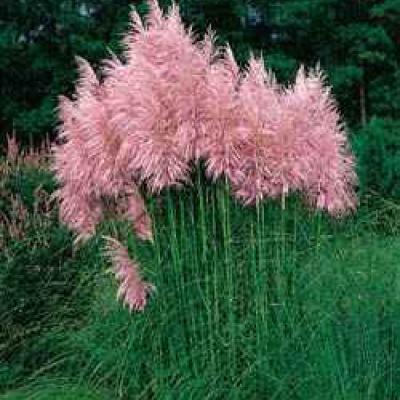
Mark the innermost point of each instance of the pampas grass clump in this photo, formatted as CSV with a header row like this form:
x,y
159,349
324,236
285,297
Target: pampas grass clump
x,y
177,100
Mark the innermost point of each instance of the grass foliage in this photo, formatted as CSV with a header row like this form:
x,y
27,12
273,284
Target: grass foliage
x,y
251,303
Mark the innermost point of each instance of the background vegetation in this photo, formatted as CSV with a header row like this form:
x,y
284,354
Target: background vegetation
x,y
250,303
356,42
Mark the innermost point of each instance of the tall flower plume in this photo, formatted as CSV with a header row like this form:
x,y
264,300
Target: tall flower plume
x,y
323,156
222,130
155,98
256,175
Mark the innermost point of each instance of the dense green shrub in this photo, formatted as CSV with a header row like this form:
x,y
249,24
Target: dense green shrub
x,y
42,278
378,149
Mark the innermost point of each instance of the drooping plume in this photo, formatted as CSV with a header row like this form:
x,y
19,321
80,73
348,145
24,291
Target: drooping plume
x,y
99,143
133,291
73,164
86,163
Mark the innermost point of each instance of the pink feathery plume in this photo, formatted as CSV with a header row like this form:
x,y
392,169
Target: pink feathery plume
x,y
13,150
132,289
222,130
154,99
211,54
85,161
82,214
73,163
263,149
75,195
326,163
101,142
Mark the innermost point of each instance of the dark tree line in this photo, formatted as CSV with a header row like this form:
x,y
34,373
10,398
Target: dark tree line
x,y
356,41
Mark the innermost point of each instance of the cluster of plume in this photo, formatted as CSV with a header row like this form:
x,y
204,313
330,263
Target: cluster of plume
x,y
16,219
175,100
35,157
